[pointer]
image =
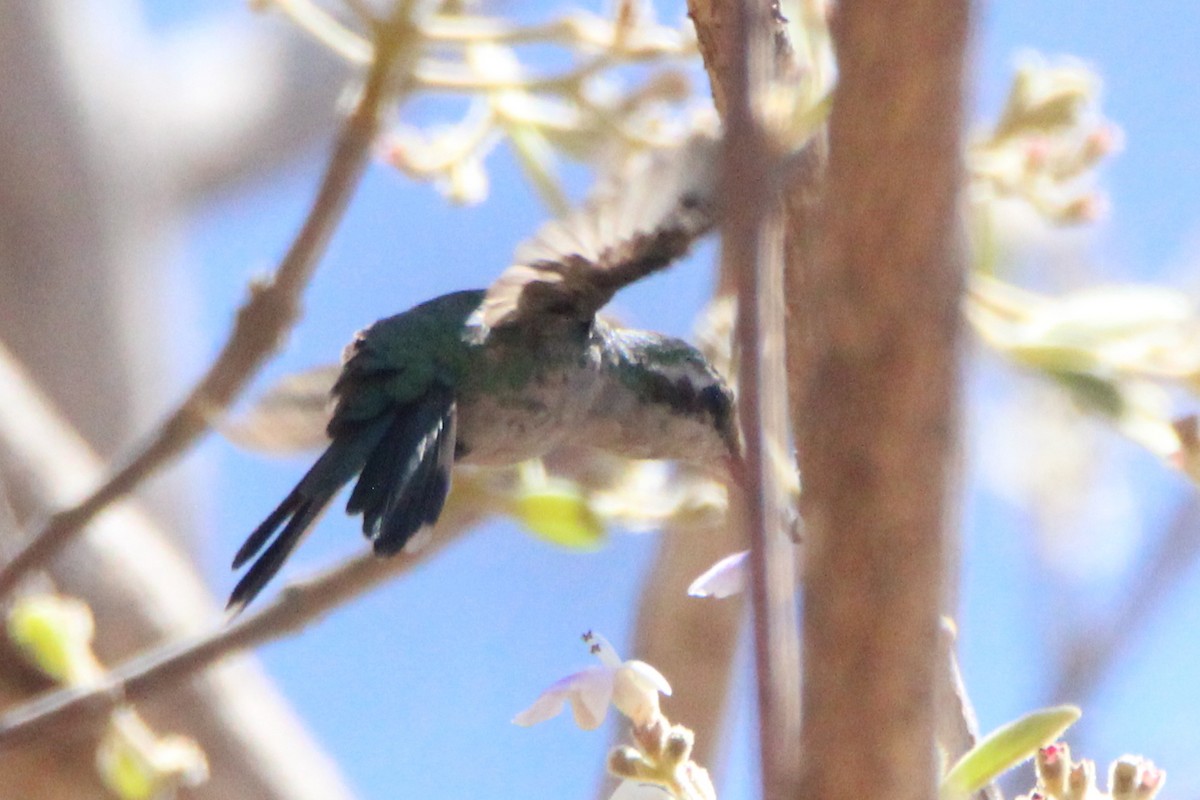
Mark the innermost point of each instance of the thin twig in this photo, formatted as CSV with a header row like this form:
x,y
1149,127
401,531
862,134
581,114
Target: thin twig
x,y
297,606
752,251
956,725
444,76
578,30
325,29
141,589
272,308
1094,651
571,30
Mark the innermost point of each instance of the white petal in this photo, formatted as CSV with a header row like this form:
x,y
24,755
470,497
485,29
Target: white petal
x,y
648,676
635,691
725,578
587,718
591,692
602,649
548,706
636,790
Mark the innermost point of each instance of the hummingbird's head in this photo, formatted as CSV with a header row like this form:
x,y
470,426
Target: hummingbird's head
x,y
667,401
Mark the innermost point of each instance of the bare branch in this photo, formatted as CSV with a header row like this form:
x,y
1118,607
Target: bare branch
x,y
273,307
297,606
141,589
1091,654
752,254
743,49
956,726
876,439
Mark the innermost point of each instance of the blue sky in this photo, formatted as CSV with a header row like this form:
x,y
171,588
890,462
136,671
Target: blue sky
x,y
412,688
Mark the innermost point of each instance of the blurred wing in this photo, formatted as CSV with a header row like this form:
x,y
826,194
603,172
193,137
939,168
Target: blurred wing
x,y
290,417
636,223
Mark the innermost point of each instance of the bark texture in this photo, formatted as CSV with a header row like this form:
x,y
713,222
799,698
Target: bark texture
x,y
876,382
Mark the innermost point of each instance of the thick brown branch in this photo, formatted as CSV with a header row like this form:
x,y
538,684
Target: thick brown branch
x,y
273,307
296,607
877,431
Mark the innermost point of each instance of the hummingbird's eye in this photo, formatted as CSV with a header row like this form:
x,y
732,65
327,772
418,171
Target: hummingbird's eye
x,y
715,400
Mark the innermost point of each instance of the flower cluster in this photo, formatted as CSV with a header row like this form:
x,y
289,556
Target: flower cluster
x,y
659,760
581,112
632,687
1060,778
661,756
1048,139
1118,352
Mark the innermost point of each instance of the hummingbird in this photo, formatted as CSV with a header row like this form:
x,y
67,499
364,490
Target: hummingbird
x,y
498,376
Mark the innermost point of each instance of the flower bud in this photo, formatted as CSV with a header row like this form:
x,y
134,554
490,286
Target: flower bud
x,y
626,762
652,737
1052,763
1081,781
679,745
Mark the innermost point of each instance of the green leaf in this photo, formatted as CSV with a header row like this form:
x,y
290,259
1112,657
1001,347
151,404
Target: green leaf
x,y
1004,748
559,513
1054,357
1092,393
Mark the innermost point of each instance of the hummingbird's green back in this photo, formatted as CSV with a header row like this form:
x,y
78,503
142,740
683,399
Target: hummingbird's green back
x,y
395,360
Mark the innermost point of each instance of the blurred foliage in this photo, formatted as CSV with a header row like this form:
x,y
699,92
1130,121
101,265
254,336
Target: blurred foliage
x,y
54,633
628,87
1118,351
1060,778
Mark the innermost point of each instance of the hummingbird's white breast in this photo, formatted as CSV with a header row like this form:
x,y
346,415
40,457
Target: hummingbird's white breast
x,y
529,418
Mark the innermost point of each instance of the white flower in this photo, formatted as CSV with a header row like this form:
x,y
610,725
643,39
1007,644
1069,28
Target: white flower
x,y
725,578
631,686
639,790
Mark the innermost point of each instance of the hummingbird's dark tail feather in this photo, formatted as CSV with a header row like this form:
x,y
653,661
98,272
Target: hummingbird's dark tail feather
x,y
340,462
255,541
405,481
269,563
421,502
